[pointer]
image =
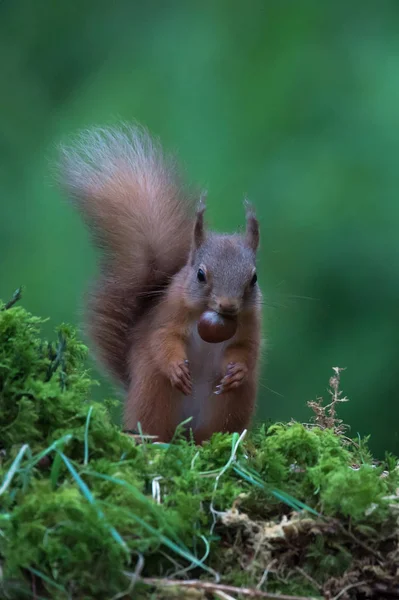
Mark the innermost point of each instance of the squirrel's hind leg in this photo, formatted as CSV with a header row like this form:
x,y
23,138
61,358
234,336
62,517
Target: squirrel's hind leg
x,y
231,412
155,405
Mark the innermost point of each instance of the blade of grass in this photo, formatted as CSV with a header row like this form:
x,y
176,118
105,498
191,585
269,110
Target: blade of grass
x,y
294,503
13,469
54,446
179,429
235,442
47,580
56,467
90,498
142,498
21,591
181,572
86,454
186,554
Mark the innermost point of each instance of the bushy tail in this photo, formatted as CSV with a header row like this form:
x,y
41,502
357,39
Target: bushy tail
x,y
134,204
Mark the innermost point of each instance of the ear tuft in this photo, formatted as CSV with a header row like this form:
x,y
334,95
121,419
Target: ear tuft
x,y
252,231
199,228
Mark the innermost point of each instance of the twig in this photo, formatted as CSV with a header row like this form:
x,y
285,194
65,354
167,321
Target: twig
x,y
139,437
133,578
349,587
262,579
34,594
310,579
326,416
57,359
360,543
14,299
383,588
218,587
223,596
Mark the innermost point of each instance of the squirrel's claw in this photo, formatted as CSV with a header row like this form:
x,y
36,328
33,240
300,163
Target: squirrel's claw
x,y
235,376
180,378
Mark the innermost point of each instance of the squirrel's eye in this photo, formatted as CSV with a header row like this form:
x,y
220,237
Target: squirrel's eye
x,y
254,279
201,276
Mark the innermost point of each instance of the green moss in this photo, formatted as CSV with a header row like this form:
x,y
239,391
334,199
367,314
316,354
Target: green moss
x,y
81,503
352,493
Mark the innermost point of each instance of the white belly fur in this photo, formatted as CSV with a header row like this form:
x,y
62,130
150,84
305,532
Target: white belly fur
x,y
205,362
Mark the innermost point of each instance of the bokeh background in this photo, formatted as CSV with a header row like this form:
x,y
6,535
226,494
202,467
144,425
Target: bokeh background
x,y
293,103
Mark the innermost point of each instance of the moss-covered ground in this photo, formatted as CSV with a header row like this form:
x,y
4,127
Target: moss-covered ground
x,y
87,511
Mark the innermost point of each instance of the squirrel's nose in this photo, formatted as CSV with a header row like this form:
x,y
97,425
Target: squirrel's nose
x,y
227,306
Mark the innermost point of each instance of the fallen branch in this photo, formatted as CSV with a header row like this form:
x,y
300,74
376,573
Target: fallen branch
x,y
219,587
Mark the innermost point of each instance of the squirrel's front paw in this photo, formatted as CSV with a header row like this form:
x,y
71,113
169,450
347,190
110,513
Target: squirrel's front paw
x,y
180,378
236,374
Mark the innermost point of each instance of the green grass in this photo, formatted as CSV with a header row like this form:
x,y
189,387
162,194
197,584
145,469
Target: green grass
x,y
87,511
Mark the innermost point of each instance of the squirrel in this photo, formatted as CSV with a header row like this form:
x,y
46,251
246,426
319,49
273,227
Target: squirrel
x,y
160,269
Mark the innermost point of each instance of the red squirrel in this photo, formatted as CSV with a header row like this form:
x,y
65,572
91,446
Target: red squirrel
x,y
160,270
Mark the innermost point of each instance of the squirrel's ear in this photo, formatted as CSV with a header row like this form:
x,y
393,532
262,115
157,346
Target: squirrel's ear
x,y
252,231
199,228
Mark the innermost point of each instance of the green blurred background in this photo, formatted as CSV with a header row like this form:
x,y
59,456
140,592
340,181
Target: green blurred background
x,y
293,103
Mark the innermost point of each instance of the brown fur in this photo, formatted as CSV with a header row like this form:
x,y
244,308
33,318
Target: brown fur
x,y
140,216
143,309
